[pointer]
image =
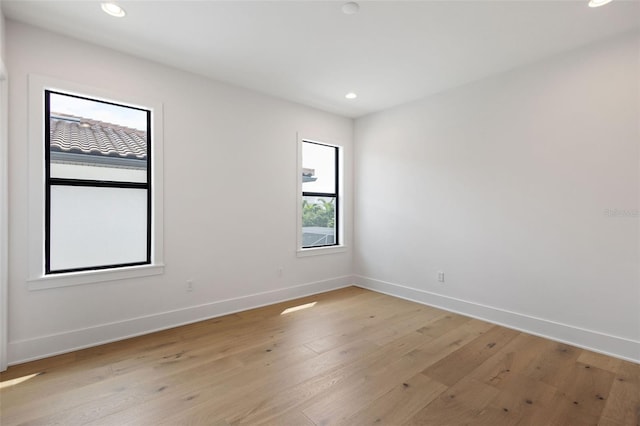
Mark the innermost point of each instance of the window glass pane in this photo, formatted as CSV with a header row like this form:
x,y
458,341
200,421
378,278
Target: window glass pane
x,y
318,221
90,139
318,168
97,226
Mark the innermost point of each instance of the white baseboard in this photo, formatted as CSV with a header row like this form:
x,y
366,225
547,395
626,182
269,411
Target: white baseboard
x,y
615,346
59,343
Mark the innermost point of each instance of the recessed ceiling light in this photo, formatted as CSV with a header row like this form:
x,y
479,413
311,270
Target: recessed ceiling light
x,y
350,95
598,3
113,9
350,8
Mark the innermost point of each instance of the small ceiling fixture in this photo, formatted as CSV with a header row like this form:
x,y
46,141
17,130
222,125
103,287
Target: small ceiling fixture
x,y
113,9
350,95
598,3
350,8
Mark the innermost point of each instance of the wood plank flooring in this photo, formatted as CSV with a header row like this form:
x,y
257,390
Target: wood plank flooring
x,y
350,357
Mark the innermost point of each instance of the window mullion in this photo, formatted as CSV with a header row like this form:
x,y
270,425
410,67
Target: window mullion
x,y
319,194
98,183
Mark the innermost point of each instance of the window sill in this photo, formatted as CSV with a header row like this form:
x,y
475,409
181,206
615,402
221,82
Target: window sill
x,y
316,251
88,277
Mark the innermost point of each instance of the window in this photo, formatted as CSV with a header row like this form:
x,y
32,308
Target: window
x,y
97,184
320,204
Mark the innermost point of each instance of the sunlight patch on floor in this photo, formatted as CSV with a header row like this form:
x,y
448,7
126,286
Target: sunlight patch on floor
x,y
298,308
17,381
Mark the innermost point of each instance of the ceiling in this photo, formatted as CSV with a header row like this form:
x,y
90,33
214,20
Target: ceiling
x,y
310,52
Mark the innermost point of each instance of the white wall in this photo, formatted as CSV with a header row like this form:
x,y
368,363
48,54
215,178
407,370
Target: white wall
x,y
81,171
504,185
230,201
2,33
4,189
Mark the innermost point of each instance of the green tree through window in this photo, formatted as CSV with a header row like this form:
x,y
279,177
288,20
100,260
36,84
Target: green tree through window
x,y
321,213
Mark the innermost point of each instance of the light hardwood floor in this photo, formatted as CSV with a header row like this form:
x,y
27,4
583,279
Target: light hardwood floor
x,y
354,357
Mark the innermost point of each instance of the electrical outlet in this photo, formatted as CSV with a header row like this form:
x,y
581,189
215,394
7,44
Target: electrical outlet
x,y
440,276
189,286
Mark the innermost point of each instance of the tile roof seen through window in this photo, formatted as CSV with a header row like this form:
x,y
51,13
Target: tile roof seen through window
x,y
77,135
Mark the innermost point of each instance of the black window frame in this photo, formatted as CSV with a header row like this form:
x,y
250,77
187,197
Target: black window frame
x,y
335,194
49,181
